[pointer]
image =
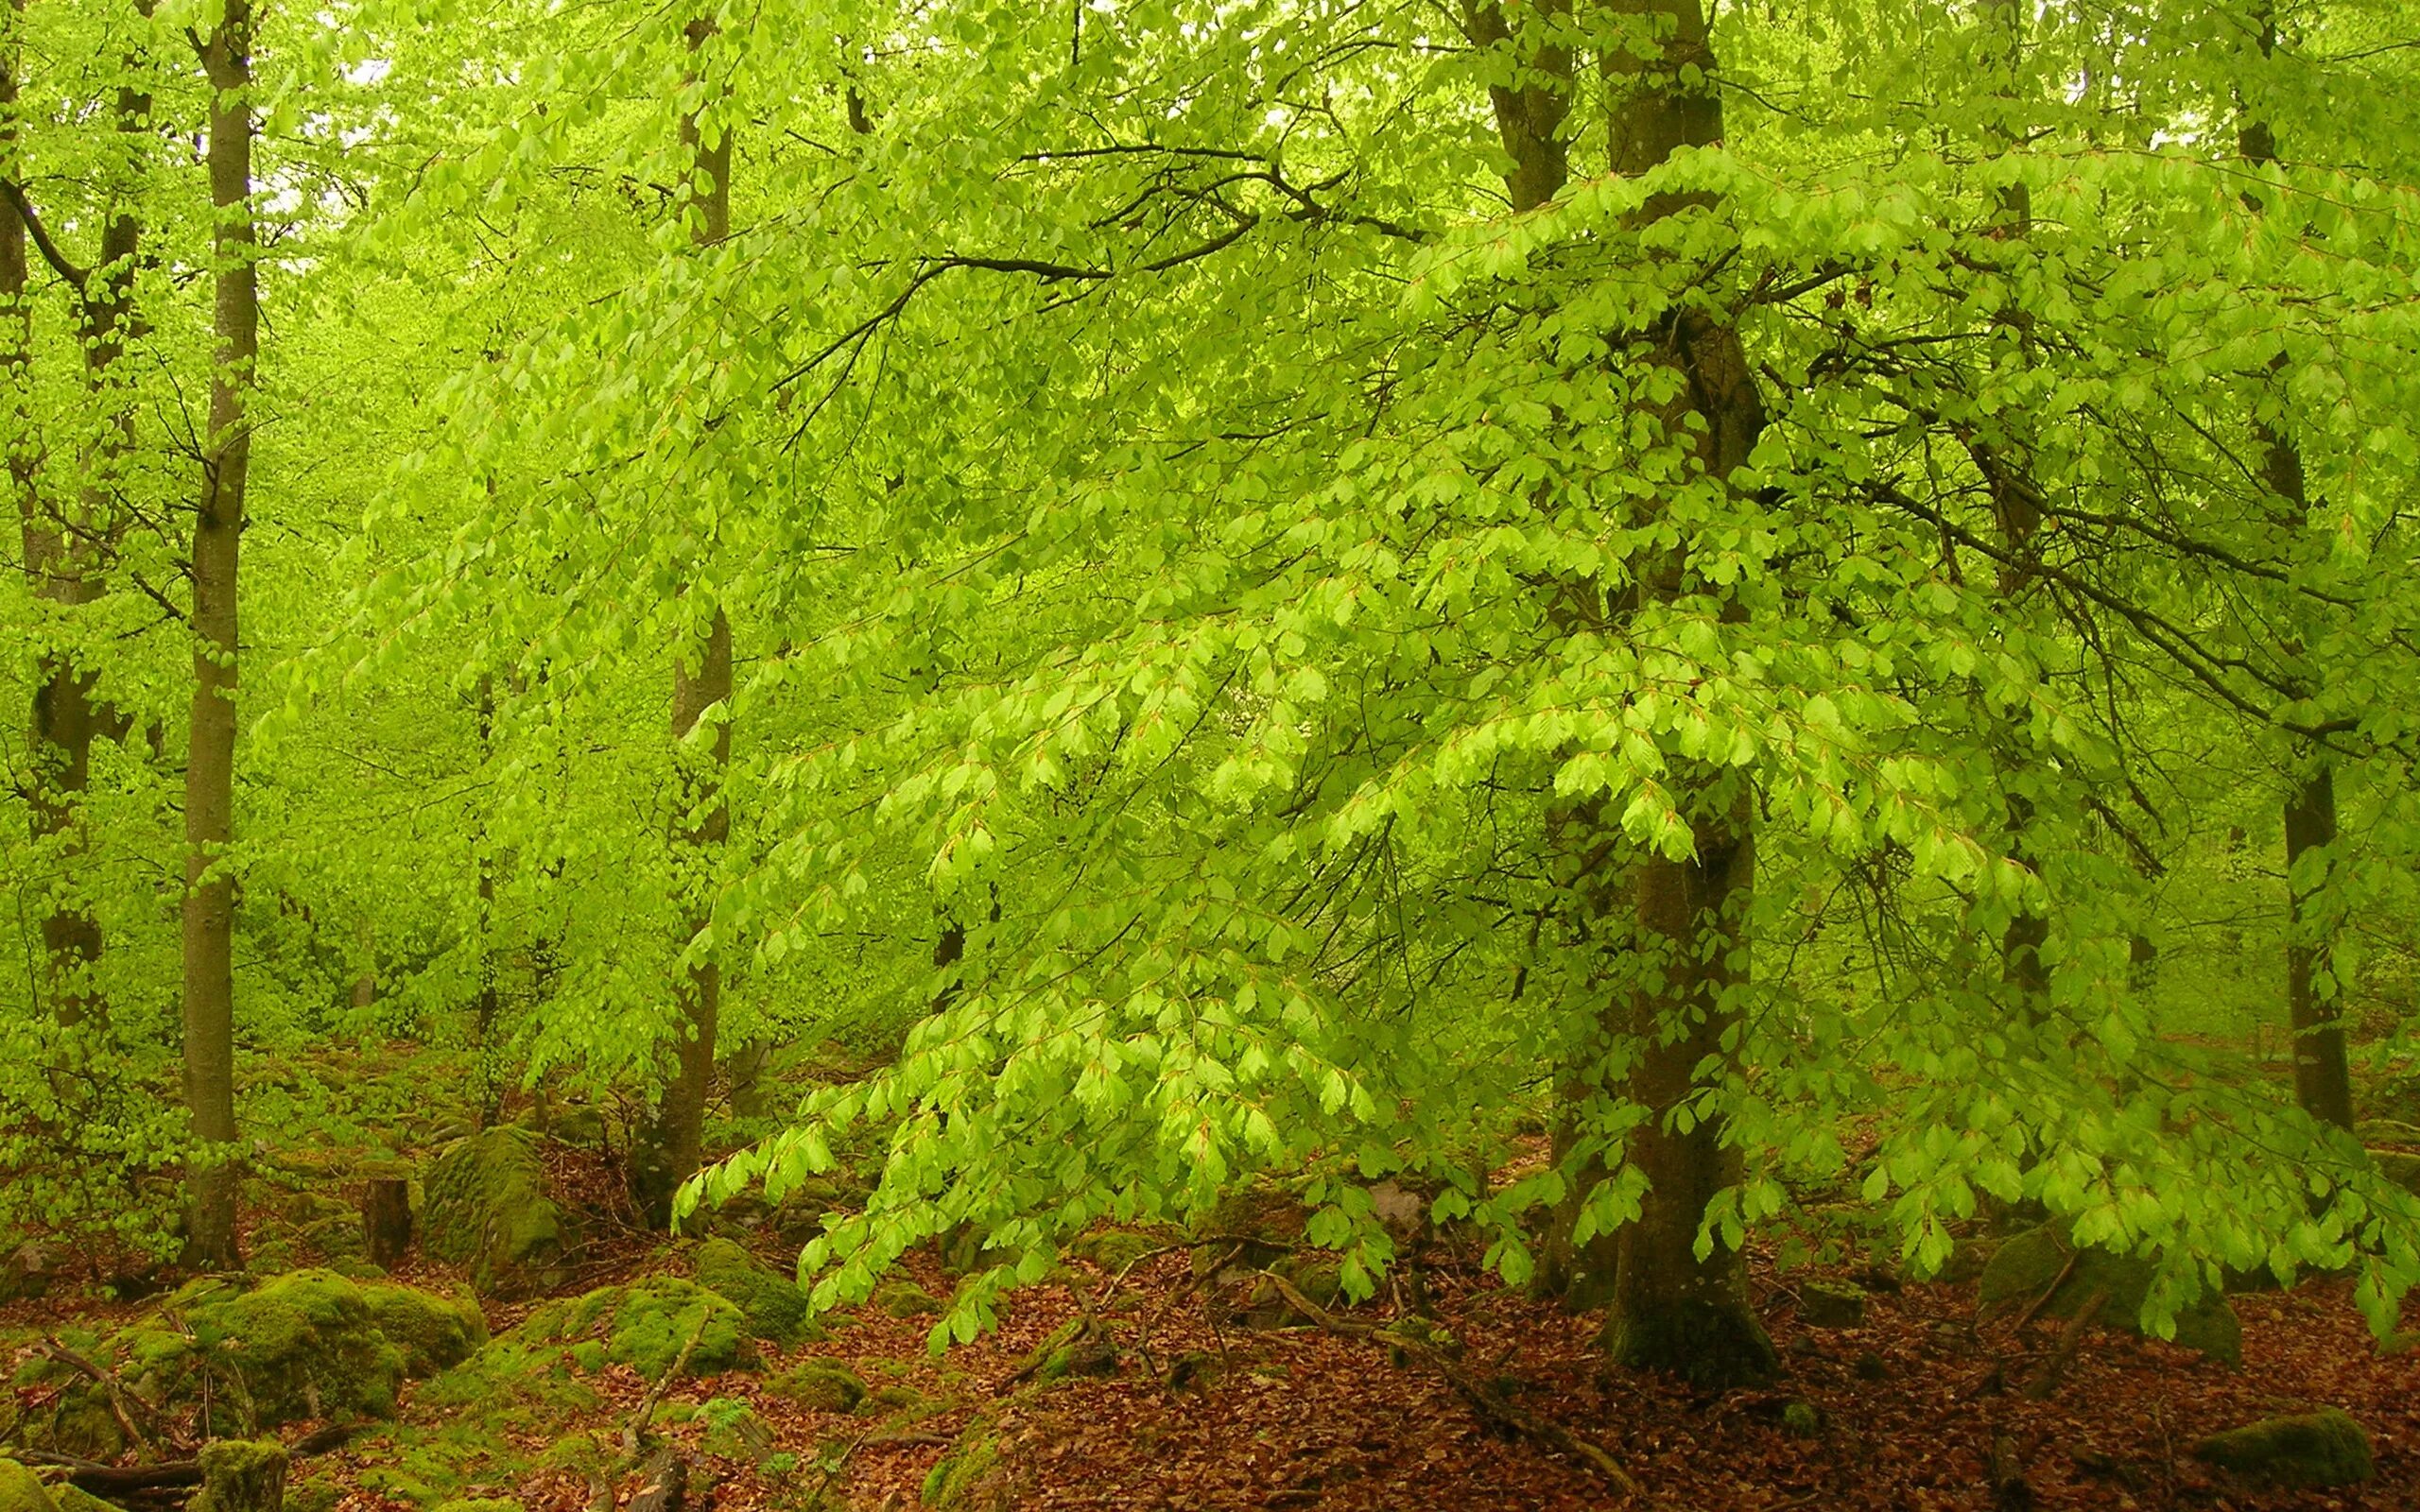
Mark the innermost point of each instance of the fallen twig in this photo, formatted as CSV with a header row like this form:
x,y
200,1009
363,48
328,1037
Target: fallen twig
x,y
2070,1338
117,1394
2050,1291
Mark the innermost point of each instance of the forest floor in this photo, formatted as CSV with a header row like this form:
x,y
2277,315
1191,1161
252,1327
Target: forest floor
x,y
1908,1405
1918,1405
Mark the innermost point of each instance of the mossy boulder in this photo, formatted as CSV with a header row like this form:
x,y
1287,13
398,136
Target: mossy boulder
x,y
2317,1449
480,1504
906,1299
646,1324
486,1208
21,1489
819,1385
312,1344
956,1478
435,1332
2029,1265
1831,1305
772,1302
1114,1249
241,1475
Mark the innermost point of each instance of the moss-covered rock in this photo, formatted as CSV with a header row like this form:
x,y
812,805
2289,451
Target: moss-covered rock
x,y
2030,1264
21,1489
1114,1249
487,1208
67,1497
480,1504
312,1344
434,1332
904,1299
2308,1450
819,1385
646,1324
773,1305
956,1479
1831,1305
241,1475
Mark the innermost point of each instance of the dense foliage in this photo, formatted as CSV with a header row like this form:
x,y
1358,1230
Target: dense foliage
x,y
1817,594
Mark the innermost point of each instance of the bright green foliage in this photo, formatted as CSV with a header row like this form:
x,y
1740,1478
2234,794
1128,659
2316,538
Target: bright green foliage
x,y
1223,605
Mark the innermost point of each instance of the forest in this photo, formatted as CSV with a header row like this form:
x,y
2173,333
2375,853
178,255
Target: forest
x,y
853,755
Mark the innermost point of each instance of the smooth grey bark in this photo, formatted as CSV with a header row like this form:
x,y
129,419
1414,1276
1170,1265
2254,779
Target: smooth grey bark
x,y
672,1147
218,535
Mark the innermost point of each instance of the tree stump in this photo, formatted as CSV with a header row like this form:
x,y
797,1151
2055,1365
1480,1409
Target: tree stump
x,y
242,1475
665,1485
387,1218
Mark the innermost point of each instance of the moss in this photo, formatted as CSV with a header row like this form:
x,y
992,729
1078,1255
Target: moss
x,y
954,1476
319,1492
433,1332
819,1385
1800,1419
1114,1249
21,1489
2030,1264
241,1475
1831,1305
646,1324
2310,1450
480,1504
573,1451
772,1302
906,1299
487,1208
68,1498
304,1346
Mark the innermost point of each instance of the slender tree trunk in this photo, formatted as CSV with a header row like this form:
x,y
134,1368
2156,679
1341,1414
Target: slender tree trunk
x,y
2323,1075
489,1003
672,1151
209,768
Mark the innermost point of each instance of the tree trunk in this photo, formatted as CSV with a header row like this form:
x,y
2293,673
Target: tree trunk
x,y
671,1152
64,554
387,1218
1667,1309
1671,1310
209,768
2322,1076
